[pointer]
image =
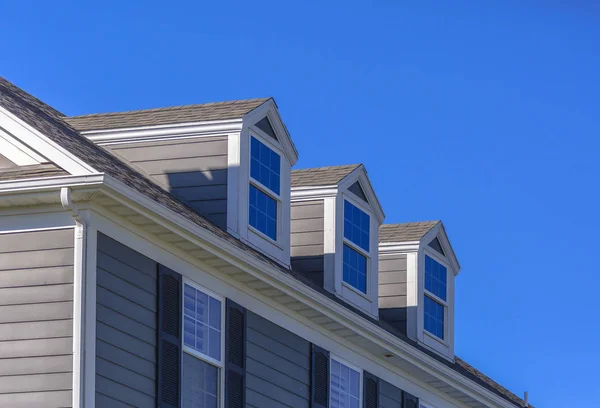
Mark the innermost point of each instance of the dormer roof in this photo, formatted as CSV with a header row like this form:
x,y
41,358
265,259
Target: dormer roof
x,y
321,176
406,232
165,116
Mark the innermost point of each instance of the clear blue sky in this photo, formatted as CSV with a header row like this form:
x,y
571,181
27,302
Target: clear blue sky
x,y
482,114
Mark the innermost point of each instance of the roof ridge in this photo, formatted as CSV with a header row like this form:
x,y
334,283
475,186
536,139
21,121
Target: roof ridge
x,y
410,222
168,108
338,166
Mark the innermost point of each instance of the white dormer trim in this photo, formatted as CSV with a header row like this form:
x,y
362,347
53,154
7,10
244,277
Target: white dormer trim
x,y
360,175
21,136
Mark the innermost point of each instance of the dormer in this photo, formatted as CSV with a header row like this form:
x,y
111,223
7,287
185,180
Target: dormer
x,y
335,219
230,161
417,267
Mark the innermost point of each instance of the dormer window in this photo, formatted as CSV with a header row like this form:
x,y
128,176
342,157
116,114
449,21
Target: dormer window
x,y
265,186
356,246
435,306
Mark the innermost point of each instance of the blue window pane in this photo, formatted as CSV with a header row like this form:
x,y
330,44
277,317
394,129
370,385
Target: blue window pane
x,y
263,213
355,269
356,225
434,317
202,322
344,386
265,165
435,278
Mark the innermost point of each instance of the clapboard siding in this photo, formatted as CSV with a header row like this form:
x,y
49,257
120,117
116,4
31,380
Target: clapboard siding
x,y
306,240
125,326
36,312
277,366
389,395
194,170
392,282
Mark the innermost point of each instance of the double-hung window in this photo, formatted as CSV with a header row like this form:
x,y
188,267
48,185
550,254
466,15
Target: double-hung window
x,y
203,347
344,386
356,253
265,185
435,299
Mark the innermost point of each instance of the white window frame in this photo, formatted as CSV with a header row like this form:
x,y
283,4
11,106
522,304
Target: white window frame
x,y
219,364
256,133
352,367
345,241
445,303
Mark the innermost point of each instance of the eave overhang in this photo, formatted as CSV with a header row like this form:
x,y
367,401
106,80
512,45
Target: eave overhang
x,y
107,196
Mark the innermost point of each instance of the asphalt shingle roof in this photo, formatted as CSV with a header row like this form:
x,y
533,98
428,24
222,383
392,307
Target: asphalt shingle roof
x,y
410,231
165,116
32,171
321,176
53,125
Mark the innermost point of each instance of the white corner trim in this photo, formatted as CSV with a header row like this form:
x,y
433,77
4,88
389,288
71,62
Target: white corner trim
x,y
45,147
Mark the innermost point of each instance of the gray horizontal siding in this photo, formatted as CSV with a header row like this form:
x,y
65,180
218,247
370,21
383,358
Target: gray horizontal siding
x,y
125,327
389,395
306,240
277,366
194,170
392,282
36,312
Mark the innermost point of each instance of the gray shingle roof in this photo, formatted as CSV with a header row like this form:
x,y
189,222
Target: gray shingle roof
x,y
321,176
410,231
33,171
52,124
165,116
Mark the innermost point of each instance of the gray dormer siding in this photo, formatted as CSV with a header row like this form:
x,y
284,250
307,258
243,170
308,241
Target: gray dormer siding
x,y
306,243
194,170
392,290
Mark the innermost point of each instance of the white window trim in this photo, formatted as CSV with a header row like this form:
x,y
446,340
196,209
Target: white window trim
x,y
352,367
435,298
369,301
220,365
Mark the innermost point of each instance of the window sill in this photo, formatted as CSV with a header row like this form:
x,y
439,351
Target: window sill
x,y
436,338
358,292
264,237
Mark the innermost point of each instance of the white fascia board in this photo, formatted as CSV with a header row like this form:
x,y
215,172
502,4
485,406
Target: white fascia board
x,y
269,109
147,133
240,258
17,152
45,147
393,248
313,193
50,183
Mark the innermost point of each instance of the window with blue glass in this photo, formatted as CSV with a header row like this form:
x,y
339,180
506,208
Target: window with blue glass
x,y
355,269
355,256
436,293
434,317
435,277
265,182
265,165
356,225
203,357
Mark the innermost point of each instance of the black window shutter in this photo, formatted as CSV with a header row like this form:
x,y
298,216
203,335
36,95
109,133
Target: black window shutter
x,y
409,401
319,378
169,339
370,390
235,356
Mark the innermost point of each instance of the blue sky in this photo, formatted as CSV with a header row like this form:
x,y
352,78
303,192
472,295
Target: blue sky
x,y
482,114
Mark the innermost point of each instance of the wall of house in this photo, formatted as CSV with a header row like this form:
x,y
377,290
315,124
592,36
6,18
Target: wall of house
x,y
36,318
277,366
125,327
307,237
392,290
194,170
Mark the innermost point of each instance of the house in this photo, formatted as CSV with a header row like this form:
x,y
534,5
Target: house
x,y
172,258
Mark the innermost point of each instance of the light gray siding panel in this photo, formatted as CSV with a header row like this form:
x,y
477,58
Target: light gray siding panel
x,y
125,326
51,399
194,170
36,310
277,366
392,281
306,240
389,395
